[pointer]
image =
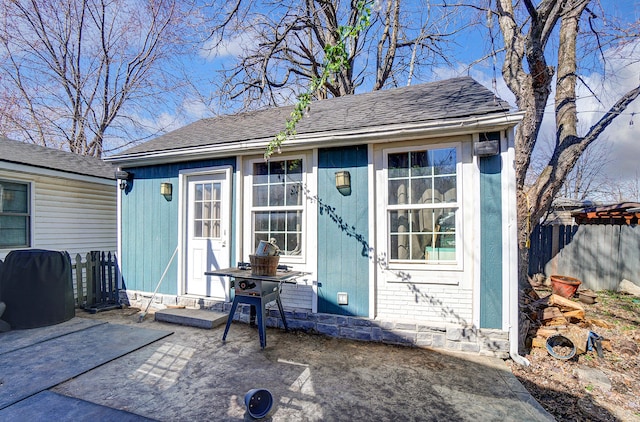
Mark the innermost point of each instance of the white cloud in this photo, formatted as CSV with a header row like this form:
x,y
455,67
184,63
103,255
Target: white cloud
x,y
161,123
226,48
195,109
167,122
622,75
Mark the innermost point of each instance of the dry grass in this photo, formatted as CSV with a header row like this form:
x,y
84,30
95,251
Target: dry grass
x,y
587,387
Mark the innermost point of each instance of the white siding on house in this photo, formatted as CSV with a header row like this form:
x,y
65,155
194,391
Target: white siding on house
x,y
425,303
70,214
297,296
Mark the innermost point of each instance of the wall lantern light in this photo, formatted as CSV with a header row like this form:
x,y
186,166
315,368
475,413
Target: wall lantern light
x,y
343,182
124,177
166,189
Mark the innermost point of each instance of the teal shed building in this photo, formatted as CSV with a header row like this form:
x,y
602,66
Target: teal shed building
x,y
398,204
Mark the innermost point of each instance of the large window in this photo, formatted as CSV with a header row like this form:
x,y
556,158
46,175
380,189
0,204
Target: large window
x,y
422,205
277,208
15,216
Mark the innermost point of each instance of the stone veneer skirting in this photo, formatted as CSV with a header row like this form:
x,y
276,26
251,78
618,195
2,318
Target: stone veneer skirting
x,y
489,342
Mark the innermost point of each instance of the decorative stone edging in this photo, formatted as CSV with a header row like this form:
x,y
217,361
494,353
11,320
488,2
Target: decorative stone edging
x,y
486,342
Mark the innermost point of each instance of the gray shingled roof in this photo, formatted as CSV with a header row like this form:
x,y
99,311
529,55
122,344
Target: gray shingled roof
x,y
53,159
444,100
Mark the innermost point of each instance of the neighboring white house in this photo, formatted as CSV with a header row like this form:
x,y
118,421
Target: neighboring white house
x,y
55,200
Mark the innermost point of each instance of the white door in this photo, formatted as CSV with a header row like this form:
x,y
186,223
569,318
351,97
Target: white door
x,y
208,225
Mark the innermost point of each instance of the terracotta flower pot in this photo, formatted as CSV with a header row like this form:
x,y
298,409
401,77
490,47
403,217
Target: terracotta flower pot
x,y
564,286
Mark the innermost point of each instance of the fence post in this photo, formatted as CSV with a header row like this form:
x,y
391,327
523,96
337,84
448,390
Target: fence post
x,y
91,279
111,273
103,281
555,240
79,290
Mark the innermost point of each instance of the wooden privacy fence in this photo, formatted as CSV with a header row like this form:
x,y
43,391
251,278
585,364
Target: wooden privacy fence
x,y
96,281
598,255
545,243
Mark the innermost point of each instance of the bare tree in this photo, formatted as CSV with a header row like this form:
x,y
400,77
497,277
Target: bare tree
x,y
627,190
81,69
532,70
587,180
282,46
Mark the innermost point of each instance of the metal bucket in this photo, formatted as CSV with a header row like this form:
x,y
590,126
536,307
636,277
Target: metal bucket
x,y
266,249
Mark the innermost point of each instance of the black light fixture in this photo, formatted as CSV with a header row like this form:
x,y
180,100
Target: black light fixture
x,y
343,182
124,177
488,144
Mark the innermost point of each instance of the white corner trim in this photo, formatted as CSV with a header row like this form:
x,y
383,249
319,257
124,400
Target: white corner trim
x,y
510,249
477,238
371,179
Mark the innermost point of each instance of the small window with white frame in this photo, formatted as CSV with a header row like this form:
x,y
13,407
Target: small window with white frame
x,y
15,214
277,209
423,205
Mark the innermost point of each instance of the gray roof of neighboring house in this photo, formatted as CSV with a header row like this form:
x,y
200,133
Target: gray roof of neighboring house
x,y
53,159
444,100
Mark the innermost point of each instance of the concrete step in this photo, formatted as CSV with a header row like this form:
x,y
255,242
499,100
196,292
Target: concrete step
x,y
200,318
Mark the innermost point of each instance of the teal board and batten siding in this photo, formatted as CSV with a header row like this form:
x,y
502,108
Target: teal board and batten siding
x,y
343,262
150,226
491,242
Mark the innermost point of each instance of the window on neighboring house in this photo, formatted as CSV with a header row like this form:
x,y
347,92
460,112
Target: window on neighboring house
x,y
278,204
423,205
15,215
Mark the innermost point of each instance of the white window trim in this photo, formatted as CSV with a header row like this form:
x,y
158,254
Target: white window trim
x,y
248,231
183,176
384,223
31,213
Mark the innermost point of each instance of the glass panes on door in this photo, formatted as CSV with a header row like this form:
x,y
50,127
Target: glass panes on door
x,y
206,209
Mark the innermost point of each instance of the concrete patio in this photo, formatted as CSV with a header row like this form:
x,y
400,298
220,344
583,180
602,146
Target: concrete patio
x,y
190,374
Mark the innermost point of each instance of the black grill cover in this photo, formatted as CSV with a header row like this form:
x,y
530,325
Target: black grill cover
x,y
37,287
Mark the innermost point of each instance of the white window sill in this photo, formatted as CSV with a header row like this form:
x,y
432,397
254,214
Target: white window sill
x,y
424,274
